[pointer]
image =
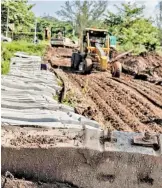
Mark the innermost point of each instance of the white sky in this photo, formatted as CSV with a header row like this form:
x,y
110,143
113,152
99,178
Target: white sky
x,y
51,6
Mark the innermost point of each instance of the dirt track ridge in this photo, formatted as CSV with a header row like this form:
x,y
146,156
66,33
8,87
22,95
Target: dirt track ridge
x,y
121,104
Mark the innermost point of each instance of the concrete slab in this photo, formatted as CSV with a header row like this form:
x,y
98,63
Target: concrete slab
x,y
76,156
27,96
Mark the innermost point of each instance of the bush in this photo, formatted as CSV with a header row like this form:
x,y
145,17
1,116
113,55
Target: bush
x,y
24,46
27,36
8,50
5,67
6,56
159,50
132,30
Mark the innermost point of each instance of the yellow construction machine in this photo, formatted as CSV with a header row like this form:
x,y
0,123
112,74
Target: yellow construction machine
x,y
96,52
59,39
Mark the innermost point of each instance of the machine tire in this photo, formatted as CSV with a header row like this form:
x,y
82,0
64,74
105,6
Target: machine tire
x,y
75,61
117,74
116,69
72,63
88,66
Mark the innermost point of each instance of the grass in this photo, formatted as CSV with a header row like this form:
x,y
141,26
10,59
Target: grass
x,y
159,51
68,103
69,99
8,50
59,82
56,97
5,67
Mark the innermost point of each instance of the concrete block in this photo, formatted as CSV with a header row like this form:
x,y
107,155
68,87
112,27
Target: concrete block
x,y
92,138
82,166
124,143
160,142
33,90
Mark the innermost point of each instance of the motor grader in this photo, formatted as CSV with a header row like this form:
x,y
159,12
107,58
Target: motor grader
x,y
96,52
59,39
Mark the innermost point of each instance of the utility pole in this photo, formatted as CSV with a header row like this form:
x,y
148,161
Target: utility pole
x,y
160,21
35,33
160,11
8,10
73,28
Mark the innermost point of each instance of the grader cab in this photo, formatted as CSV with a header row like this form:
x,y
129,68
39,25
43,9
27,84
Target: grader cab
x,y
96,51
57,36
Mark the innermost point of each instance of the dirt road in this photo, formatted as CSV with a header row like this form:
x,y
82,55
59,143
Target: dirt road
x,y
122,104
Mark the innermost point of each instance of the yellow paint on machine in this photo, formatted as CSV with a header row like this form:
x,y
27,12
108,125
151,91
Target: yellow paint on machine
x,y
103,63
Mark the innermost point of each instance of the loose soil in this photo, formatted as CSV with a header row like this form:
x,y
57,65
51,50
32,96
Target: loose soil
x,y
122,104
150,63
15,136
36,137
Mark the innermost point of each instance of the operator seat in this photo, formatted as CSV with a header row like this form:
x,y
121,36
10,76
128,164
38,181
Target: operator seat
x,y
93,41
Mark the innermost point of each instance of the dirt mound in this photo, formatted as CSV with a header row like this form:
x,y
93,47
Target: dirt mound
x,y
58,52
149,63
58,56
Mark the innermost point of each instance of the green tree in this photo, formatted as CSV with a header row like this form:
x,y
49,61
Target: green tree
x,y
19,13
49,21
46,21
159,20
82,14
131,28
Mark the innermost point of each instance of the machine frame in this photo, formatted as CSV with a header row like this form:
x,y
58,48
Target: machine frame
x,y
95,52
55,41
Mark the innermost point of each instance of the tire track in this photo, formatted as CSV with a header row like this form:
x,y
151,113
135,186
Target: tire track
x,y
121,105
82,102
157,90
132,105
145,95
127,116
149,91
107,111
138,100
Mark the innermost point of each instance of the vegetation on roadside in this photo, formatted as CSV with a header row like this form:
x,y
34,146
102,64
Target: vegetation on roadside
x,y
8,50
68,100
128,24
133,31
159,51
59,82
20,14
81,14
56,97
27,36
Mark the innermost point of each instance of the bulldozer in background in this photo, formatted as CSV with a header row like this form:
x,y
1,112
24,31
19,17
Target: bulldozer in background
x,y
59,39
96,52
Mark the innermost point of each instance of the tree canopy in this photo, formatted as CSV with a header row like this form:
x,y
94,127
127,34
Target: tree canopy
x,y
45,21
159,20
128,24
131,28
19,13
82,14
